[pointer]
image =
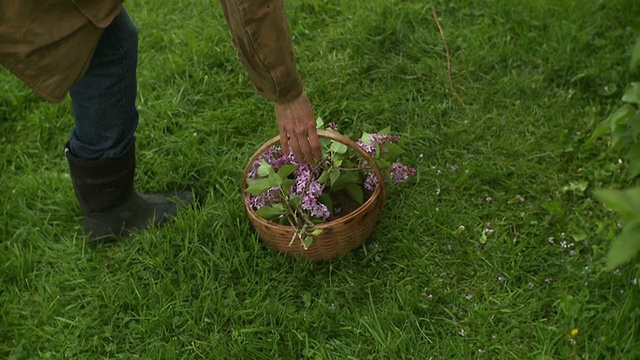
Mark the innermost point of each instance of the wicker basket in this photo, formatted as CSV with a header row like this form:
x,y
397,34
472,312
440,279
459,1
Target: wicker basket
x,y
339,236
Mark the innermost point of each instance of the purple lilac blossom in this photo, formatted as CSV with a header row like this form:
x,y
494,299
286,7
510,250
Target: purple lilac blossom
x,y
275,157
267,198
378,139
309,189
400,172
371,182
333,126
315,207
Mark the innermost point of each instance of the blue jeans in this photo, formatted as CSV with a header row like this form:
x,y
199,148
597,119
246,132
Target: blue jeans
x,y
103,101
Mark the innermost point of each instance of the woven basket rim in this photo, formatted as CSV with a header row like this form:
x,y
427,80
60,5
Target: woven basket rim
x,y
379,191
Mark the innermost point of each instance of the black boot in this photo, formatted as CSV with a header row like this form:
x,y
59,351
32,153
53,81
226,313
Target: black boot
x,y
112,208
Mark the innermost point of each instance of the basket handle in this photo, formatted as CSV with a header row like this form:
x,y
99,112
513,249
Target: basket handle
x,y
325,134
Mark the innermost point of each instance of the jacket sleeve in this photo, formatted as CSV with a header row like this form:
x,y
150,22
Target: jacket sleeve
x,y
261,35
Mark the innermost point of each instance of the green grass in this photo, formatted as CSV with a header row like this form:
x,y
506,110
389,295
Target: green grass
x,y
529,82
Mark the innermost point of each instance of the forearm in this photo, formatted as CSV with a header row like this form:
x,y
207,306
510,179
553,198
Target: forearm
x,y
261,35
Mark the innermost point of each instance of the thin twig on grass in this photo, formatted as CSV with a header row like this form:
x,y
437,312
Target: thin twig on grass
x,y
446,49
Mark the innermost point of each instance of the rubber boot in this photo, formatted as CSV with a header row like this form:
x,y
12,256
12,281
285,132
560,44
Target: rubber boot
x,y
112,208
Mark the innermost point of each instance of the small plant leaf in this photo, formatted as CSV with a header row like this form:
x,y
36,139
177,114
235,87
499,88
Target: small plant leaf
x,y
624,247
366,138
632,93
316,232
338,148
355,192
619,137
392,152
327,201
324,176
263,169
286,170
346,178
611,123
306,243
633,157
274,179
319,122
270,212
635,55
286,185
257,186
625,202
335,175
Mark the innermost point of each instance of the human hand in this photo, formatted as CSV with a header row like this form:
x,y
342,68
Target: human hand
x,y
297,125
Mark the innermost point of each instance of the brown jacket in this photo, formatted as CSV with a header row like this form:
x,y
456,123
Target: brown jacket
x,y
49,44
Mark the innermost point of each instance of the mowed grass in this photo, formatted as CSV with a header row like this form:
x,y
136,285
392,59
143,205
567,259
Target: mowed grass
x,y
495,250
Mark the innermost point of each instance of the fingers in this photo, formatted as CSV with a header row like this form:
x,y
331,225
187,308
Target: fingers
x,y
284,143
314,141
298,130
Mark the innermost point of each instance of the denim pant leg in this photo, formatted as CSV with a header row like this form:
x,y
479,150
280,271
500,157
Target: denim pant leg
x,y
104,100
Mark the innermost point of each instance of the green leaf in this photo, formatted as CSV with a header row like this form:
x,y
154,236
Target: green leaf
x,y
257,186
633,157
338,148
286,170
319,123
270,212
577,187
355,192
327,201
624,247
316,232
382,164
393,151
633,127
385,131
632,93
619,137
324,176
625,202
635,55
306,243
274,179
611,123
286,185
295,201
346,178
335,175
264,169
366,138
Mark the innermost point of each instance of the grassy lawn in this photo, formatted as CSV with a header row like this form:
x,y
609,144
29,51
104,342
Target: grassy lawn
x,y
495,250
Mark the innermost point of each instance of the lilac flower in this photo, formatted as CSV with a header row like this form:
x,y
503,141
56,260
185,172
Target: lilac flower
x,y
379,140
316,208
275,157
400,173
265,199
371,182
333,126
